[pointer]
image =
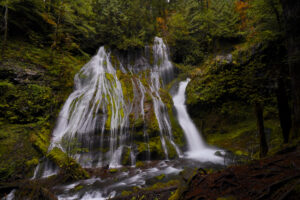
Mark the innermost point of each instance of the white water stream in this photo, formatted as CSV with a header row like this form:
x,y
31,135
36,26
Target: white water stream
x,y
197,149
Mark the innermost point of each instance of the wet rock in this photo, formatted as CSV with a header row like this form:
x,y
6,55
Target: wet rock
x,y
224,59
19,75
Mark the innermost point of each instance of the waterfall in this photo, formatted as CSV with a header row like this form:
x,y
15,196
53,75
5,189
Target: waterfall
x,y
107,97
197,149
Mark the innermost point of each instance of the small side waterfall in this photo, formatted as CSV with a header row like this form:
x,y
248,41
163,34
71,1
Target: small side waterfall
x,y
197,149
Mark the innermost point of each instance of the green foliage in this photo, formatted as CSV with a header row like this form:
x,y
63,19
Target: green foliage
x,y
195,30
265,19
125,24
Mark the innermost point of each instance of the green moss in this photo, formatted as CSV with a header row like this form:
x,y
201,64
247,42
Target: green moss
x,y
237,137
109,77
58,157
32,162
160,177
166,98
109,114
126,84
114,61
144,80
151,56
160,185
105,63
73,105
126,160
142,147
139,164
152,124
112,171
24,103
41,140
156,149
176,130
159,62
171,149
70,168
17,155
139,123
78,187
175,195
30,105
82,75
122,112
4,85
125,193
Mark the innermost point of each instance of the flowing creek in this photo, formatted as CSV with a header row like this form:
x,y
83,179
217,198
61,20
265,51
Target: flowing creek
x,y
99,115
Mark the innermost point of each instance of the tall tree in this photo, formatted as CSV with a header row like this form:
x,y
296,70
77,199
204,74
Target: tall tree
x,y
291,11
5,26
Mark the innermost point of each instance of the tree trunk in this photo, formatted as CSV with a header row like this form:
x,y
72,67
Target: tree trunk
x,y
261,129
284,110
276,12
291,12
5,28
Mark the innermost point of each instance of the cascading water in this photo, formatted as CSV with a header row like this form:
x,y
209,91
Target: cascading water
x,y
98,114
197,149
120,110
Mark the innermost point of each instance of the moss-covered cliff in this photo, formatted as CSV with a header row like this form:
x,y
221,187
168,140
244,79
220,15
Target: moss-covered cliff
x,y
34,83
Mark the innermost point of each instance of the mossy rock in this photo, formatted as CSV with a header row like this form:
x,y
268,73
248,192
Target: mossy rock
x,y
126,84
142,151
160,177
152,125
139,123
139,136
156,149
177,131
171,149
41,141
139,164
18,158
32,162
125,157
70,168
112,171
